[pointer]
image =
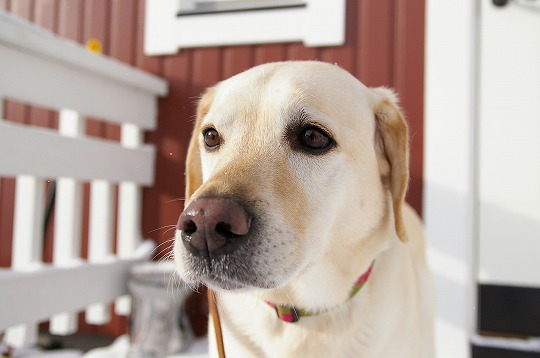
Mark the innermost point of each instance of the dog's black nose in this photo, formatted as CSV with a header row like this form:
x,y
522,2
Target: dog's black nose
x,y
213,226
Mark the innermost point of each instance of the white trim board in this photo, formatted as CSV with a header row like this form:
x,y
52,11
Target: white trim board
x,y
449,169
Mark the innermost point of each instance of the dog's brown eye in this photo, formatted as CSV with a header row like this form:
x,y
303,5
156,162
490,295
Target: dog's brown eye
x,y
314,138
211,138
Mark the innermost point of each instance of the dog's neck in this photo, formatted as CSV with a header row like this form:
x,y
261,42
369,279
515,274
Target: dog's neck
x,y
293,314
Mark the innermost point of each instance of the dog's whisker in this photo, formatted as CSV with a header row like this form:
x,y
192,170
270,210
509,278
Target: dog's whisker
x,y
289,298
174,200
168,230
218,302
167,257
167,249
180,285
161,228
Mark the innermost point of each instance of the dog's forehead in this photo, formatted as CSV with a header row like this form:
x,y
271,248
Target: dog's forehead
x,y
308,75
285,84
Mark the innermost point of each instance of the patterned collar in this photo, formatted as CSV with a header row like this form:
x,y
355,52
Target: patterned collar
x,y
292,314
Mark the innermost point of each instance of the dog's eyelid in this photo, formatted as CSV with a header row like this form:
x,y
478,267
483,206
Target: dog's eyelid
x,y
311,124
311,138
303,118
321,128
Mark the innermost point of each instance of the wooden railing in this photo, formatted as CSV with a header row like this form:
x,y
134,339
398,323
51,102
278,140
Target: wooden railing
x,y
38,68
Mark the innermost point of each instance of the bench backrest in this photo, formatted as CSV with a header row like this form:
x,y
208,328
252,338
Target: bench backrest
x,y
38,68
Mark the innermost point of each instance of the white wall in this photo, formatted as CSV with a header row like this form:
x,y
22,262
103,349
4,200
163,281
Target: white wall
x,y
449,168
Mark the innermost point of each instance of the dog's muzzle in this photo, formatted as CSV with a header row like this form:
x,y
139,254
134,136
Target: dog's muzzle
x,y
212,227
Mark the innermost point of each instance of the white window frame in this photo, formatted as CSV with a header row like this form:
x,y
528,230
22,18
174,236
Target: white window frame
x,y
319,23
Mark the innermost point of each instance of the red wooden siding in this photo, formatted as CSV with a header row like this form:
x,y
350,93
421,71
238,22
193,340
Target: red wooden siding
x,y
384,47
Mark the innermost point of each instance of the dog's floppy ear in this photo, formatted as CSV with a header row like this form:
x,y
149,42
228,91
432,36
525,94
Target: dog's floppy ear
x,y
193,158
392,147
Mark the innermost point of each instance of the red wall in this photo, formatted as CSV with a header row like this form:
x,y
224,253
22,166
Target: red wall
x,y
384,46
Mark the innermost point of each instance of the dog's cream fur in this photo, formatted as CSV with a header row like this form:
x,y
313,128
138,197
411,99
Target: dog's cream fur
x,y
321,219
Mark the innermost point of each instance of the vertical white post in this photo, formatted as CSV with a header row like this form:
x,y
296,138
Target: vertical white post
x,y
100,239
27,244
67,233
449,169
129,212
28,225
130,198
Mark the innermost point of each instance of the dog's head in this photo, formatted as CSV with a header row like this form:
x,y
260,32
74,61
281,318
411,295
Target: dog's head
x,y
291,166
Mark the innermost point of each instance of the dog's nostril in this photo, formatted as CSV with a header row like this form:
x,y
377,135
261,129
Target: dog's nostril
x,y
224,229
189,227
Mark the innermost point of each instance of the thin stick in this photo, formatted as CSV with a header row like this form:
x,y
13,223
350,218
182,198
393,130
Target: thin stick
x,y
217,323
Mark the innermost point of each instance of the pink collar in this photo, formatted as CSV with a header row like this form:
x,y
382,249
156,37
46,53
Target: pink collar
x,y
292,314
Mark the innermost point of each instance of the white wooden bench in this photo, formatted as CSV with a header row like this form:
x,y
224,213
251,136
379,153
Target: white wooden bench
x,y
38,68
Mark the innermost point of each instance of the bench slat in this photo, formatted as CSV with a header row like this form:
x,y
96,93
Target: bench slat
x,y
35,295
31,79
46,154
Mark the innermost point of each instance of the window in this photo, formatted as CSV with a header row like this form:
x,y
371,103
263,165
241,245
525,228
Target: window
x,y
175,24
193,7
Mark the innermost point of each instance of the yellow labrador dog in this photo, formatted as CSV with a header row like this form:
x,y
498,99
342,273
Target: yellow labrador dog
x,y
295,216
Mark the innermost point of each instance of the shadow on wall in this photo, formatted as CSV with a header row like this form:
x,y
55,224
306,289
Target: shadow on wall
x,y
506,242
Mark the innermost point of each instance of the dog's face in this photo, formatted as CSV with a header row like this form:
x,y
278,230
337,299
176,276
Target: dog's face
x,y
291,166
